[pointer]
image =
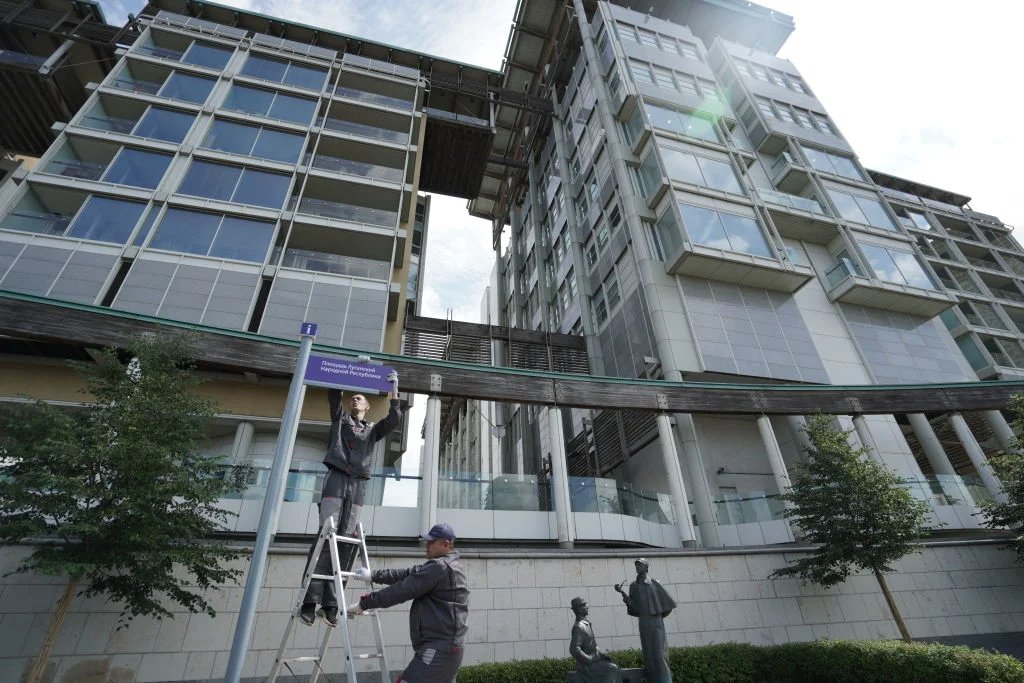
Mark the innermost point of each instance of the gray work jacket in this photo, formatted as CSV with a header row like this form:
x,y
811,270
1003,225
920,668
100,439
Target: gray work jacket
x,y
350,444
440,600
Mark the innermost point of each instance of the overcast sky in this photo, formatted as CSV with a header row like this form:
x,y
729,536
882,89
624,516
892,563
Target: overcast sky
x,y
923,89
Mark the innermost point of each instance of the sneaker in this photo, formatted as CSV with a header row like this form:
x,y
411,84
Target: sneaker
x,y
308,613
329,615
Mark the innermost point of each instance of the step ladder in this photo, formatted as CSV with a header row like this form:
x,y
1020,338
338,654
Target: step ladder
x,y
328,535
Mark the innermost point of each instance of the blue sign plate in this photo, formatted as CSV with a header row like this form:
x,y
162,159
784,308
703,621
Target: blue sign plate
x,y
338,373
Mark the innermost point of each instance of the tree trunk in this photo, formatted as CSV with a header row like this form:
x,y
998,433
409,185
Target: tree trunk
x,y
892,606
35,674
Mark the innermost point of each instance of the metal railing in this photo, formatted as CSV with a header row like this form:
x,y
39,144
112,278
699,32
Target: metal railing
x,y
336,264
363,130
373,97
792,201
136,85
305,481
345,212
40,223
380,67
112,123
75,169
361,169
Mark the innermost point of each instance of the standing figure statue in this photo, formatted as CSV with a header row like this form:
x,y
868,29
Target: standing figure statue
x,y
650,603
592,665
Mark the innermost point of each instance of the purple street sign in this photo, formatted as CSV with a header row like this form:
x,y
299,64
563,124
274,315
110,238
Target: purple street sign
x,y
324,371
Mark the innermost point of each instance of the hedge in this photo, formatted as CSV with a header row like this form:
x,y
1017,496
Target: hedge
x,y
824,660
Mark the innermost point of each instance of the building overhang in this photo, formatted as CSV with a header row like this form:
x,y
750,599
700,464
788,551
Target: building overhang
x,y
920,189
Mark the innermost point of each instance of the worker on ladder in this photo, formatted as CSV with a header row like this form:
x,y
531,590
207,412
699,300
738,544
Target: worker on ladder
x,y
440,604
349,454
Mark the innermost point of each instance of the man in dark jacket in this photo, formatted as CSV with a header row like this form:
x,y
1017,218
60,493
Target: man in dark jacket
x,y
348,459
650,603
440,603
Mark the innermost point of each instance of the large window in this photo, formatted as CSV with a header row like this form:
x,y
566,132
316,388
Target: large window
x,y
204,54
106,220
164,124
826,162
862,210
282,71
270,103
182,86
698,170
254,141
681,122
723,230
137,168
235,184
895,265
211,234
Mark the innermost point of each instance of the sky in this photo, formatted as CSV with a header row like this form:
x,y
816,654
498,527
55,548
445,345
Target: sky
x,y
922,89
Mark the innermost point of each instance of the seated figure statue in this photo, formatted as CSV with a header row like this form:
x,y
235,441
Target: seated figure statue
x,y
592,665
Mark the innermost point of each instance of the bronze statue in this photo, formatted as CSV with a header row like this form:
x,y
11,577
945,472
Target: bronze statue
x,y
650,603
592,665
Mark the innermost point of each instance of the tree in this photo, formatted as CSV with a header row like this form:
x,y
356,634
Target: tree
x,y
856,511
1010,468
117,496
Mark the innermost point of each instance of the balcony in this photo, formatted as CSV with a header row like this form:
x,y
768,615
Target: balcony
x,y
801,218
847,285
36,222
363,130
344,212
743,269
788,174
358,169
336,264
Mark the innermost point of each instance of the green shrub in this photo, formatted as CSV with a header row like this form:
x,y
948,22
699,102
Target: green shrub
x,y
832,661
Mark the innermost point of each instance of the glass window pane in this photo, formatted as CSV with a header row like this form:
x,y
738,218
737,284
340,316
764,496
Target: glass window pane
x,y
258,66
181,86
278,145
188,231
137,168
681,166
845,167
249,100
719,175
703,226
911,268
848,207
875,213
305,76
262,189
228,136
700,127
882,263
211,56
291,108
216,181
665,119
745,235
164,124
819,159
106,220
242,239
649,174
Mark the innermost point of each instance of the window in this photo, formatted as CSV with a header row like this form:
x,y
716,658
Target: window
x,y
649,38
235,184
862,210
210,56
687,50
210,234
895,265
665,80
649,174
766,108
981,314
681,122
641,72
600,308
182,86
626,32
137,168
282,71
254,141
611,290
723,230
164,124
689,168
826,162
106,220
270,103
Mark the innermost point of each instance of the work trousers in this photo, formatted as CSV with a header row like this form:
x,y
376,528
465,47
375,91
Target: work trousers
x,y
342,499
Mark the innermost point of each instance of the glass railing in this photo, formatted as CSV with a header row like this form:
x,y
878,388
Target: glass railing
x,y
982,262
112,123
839,272
792,201
305,480
75,169
379,66
136,85
748,507
592,494
948,489
781,161
161,52
336,264
345,212
520,492
32,221
460,118
373,97
363,130
356,168
1007,294
21,59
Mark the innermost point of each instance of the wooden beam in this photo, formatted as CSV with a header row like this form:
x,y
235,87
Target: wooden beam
x,y
29,317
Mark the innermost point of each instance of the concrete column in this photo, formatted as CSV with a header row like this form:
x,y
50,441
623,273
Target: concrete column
x,y
560,480
771,447
930,443
977,456
676,487
1001,428
798,425
866,440
428,464
244,433
703,505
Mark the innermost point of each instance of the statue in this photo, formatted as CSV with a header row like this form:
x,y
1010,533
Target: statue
x,y
592,665
650,603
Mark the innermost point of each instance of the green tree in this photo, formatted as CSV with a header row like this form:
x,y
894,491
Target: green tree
x,y
856,511
116,496
1009,466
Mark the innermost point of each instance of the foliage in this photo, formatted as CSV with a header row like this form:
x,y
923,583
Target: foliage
x,y
117,494
826,660
854,508
1009,466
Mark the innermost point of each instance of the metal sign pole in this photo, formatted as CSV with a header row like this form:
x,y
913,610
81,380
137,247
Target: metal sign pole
x,y
271,507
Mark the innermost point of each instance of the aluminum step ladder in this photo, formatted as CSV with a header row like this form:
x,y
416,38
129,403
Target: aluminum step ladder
x,y
328,535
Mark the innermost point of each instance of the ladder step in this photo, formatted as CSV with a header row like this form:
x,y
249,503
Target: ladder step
x,y
346,539
330,577
371,655
300,659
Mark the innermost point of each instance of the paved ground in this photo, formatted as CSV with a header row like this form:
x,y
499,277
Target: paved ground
x,y
1008,643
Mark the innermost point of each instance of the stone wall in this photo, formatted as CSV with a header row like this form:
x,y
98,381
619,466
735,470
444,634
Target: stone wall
x,y
519,610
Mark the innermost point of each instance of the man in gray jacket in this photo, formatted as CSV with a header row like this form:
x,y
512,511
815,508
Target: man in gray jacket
x,y
440,603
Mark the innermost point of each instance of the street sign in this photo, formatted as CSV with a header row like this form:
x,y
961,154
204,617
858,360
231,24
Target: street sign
x,y
308,329
339,373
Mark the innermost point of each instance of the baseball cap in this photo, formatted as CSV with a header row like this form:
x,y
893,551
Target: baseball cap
x,y
437,531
